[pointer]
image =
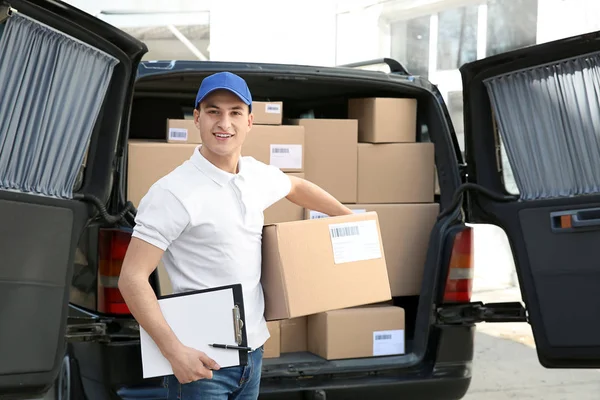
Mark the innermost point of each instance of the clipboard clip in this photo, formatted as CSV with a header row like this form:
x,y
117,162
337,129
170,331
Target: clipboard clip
x,y
238,325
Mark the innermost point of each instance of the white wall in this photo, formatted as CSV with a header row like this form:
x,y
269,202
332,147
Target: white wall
x,y
278,31
362,36
559,19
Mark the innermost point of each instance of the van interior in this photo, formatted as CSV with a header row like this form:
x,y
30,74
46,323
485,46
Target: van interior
x,y
171,95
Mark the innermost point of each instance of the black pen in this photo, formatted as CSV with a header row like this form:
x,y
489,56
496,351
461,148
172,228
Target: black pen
x,y
229,346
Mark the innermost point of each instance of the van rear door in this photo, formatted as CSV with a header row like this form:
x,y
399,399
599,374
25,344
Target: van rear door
x,y
66,82
532,119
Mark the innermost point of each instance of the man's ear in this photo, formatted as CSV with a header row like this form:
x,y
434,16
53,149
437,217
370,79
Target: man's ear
x,y
250,120
196,116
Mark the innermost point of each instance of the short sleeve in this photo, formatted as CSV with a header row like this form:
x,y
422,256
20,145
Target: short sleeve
x,y
275,185
160,218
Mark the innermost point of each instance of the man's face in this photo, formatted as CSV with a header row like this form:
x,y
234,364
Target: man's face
x,y
224,121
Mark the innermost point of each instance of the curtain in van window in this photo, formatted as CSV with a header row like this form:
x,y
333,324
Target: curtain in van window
x,y
52,88
549,122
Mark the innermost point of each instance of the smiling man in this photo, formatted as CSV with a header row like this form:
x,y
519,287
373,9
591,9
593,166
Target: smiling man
x,y
205,221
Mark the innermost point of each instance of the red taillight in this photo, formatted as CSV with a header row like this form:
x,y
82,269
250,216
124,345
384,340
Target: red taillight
x,y
112,246
459,284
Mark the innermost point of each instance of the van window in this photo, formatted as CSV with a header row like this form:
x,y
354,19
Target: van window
x,y
53,87
547,119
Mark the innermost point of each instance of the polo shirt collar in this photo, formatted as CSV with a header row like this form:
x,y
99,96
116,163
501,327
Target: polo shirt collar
x,y
209,169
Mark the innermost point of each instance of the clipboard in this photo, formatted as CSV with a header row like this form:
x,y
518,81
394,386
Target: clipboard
x,y
199,318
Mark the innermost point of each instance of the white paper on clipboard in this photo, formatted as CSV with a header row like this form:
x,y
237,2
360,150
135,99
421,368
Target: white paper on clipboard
x,y
197,320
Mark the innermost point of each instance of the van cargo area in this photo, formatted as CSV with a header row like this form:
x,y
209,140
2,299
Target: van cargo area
x,y
170,96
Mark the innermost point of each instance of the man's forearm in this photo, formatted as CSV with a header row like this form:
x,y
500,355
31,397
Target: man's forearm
x,y
142,303
310,196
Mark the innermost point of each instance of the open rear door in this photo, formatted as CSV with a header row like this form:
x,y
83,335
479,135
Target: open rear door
x,y
66,81
532,123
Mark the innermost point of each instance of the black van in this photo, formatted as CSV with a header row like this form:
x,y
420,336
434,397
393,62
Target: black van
x,y
70,104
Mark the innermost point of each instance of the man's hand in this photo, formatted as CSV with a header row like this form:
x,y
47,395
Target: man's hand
x,y
190,365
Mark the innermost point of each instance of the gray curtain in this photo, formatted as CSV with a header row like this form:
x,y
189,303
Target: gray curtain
x,y
549,123
52,88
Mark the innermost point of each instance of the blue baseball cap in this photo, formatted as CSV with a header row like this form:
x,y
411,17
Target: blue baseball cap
x,y
226,81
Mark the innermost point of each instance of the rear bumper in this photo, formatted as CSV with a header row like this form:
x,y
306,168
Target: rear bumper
x,y
115,369
452,386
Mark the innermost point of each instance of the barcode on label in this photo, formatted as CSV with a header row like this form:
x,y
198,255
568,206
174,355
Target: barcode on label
x,y
383,337
317,215
280,150
273,108
178,134
345,231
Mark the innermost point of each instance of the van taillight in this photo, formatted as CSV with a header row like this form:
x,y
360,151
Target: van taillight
x,y
459,284
112,246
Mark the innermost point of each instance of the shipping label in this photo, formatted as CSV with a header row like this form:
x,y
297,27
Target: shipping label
x,y
178,134
286,156
355,241
386,343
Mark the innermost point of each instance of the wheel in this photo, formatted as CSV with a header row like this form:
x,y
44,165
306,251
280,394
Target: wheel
x,y
63,383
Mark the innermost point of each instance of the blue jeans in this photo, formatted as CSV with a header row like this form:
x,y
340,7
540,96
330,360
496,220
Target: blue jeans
x,y
239,383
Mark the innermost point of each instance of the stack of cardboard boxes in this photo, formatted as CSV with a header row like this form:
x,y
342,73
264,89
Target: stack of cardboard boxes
x,y
328,280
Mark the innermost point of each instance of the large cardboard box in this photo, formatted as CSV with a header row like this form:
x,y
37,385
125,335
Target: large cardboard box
x,y
282,146
384,120
272,346
396,173
182,131
317,265
405,231
331,155
284,210
357,332
267,112
143,168
294,335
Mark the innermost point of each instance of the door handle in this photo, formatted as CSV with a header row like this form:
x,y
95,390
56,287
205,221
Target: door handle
x,y
587,218
575,219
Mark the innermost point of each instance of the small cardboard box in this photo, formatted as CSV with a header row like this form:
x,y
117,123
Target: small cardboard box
x,y
294,335
273,344
396,173
405,232
384,120
331,155
282,146
284,210
182,131
267,112
317,265
357,332
143,168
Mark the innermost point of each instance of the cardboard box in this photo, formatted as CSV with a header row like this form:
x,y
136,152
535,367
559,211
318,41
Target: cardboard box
x,y
143,168
294,335
405,231
282,146
331,155
284,210
182,131
396,173
267,112
273,344
357,332
317,265
384,120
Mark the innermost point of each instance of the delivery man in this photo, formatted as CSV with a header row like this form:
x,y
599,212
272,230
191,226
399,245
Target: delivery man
x,y
205,221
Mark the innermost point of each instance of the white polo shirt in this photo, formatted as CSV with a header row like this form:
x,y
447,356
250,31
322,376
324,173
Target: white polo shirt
x,y
209,222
